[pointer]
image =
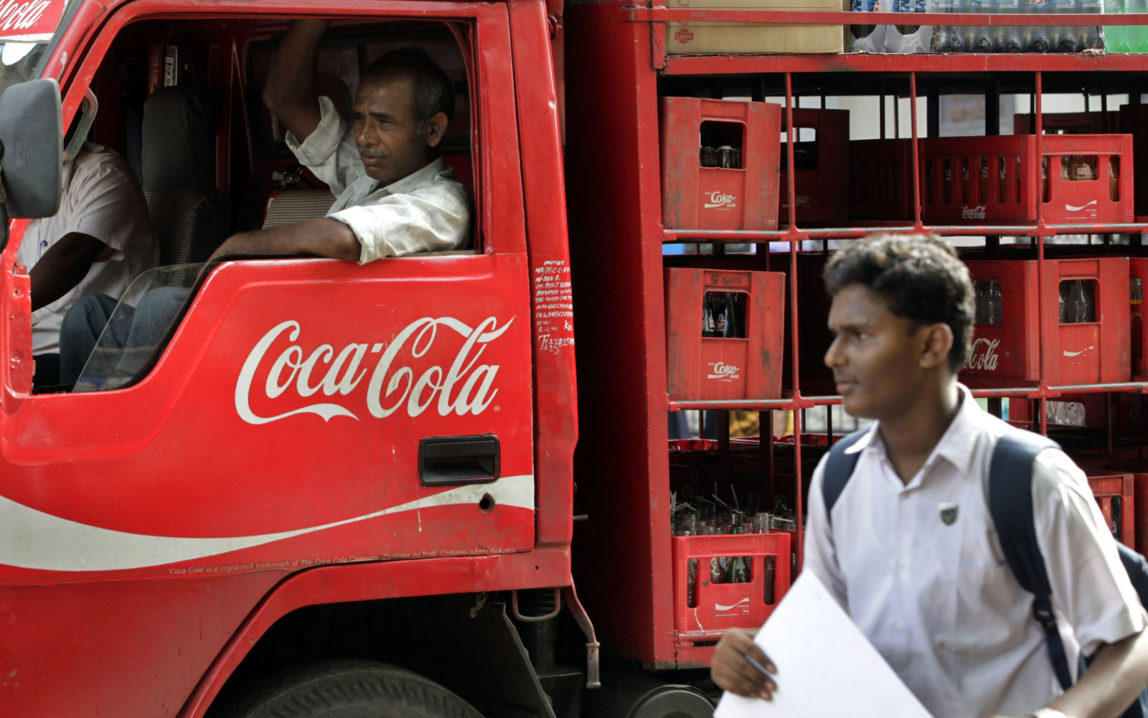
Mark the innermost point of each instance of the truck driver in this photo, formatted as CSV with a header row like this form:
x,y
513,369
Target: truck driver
x,y
394,193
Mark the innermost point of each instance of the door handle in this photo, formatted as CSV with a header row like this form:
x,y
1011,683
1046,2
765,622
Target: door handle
x,y
456,460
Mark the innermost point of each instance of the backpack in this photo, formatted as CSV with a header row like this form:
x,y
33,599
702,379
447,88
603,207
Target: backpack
x,y
1010,505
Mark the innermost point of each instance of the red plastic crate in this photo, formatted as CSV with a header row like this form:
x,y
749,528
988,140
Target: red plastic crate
x,y
1116,496
1104,193
813,337
1134,121
822,178
1006,352
1138,270
978,180
696,197
1140,522
718,606
1084,353
881,179
1075,123
715,368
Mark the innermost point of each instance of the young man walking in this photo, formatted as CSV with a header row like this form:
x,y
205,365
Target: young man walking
x,y
910,550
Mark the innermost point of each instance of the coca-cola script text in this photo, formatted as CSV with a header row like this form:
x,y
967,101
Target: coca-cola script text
x,y
464,386
984,355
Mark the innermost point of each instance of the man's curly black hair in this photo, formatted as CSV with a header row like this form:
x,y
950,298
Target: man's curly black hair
x,y
919,277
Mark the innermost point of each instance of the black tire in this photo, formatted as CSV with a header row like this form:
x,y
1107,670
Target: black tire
x,y
351,689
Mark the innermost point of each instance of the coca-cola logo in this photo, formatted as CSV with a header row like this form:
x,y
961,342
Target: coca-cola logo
x,y
279,371
719,199
22,15
984,355
721,371
683,36
977,212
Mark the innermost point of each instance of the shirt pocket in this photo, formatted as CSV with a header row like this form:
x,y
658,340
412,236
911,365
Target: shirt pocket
x,y
980,618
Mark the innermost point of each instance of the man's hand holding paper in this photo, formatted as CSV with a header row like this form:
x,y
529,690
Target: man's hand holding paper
x,y
829,668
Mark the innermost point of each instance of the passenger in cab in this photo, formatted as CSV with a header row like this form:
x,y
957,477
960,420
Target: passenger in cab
x,y
100,239
394,193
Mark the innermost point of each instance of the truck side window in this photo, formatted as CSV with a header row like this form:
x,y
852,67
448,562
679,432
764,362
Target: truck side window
x,y
243,146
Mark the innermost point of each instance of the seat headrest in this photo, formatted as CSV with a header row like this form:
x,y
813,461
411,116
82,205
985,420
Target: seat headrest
x,y
179,139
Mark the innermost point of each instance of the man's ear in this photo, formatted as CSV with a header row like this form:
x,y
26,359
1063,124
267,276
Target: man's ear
x,y
937,343
436,128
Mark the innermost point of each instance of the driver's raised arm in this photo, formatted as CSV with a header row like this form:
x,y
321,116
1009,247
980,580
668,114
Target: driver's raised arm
x,y
290,92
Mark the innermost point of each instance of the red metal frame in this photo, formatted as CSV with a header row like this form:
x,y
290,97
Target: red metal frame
x,y
1038,228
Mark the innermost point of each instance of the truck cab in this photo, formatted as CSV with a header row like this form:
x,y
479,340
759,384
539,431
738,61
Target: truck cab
x,y
310,432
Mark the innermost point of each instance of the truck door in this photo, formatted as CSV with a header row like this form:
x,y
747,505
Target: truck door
x,y
306,411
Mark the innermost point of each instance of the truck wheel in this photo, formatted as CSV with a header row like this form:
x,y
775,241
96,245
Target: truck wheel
x,y
352,689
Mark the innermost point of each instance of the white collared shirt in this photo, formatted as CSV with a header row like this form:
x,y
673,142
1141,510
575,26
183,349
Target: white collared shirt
x,y
938,600
425,211
101,199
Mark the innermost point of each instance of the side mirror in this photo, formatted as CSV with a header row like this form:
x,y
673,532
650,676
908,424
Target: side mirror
x,y
31,139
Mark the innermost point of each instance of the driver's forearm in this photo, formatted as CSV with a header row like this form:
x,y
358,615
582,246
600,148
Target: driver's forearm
x,y
318,237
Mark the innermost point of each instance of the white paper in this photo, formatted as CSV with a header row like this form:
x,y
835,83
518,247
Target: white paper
x,y
826,668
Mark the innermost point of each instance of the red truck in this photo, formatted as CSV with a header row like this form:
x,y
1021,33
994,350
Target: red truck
x,y
356,488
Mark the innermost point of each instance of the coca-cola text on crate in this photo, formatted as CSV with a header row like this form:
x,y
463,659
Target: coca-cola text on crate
x,y
1004,332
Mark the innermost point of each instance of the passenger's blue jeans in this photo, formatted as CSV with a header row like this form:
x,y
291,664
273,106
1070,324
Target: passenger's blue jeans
x,y
133,336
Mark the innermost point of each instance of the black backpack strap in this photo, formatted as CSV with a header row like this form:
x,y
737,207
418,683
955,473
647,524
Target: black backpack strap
x,y
1137,569
1010,503
838,468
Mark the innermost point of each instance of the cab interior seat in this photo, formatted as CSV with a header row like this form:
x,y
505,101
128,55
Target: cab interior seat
x,y
178,158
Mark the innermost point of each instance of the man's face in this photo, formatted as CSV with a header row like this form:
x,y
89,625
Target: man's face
x,y
391,140
874,355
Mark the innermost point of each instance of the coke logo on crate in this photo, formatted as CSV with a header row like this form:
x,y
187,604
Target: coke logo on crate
x,y
1087,178
719,200
984,355
741,608
721,371
977,212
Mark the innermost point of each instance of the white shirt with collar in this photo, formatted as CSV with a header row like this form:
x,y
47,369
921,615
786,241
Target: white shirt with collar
x,y
425,211
101,199
938,600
